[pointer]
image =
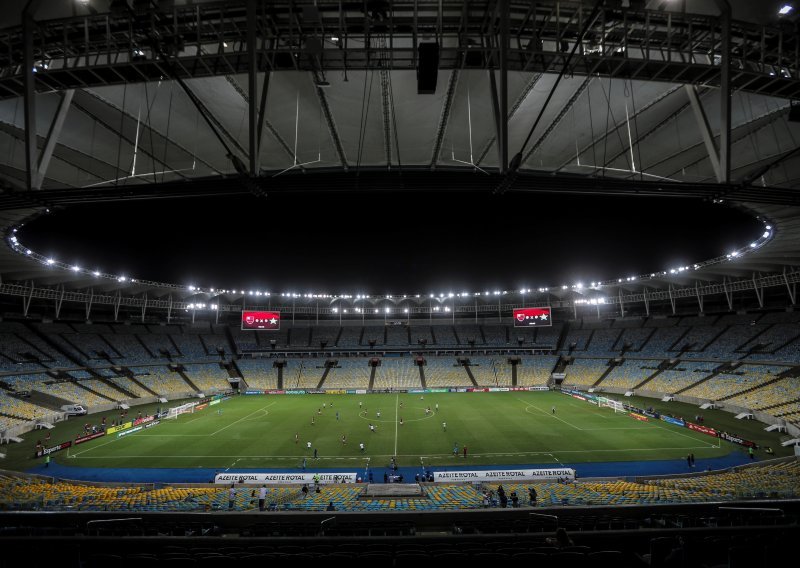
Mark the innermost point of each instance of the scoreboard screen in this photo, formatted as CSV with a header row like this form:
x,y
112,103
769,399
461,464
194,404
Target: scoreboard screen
x,y
532,317
261,320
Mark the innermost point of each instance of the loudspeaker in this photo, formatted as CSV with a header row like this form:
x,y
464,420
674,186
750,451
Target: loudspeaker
x,y
427,68
794,113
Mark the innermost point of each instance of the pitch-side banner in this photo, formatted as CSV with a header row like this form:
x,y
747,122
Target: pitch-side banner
x,y
281,478
503,475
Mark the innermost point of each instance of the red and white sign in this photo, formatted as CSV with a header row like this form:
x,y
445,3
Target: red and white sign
x,y
261,320
532,317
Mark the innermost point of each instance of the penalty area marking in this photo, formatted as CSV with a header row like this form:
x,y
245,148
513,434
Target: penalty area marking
x,y
243,418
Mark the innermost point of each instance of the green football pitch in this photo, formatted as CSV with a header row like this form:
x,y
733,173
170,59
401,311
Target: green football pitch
x,y
496,428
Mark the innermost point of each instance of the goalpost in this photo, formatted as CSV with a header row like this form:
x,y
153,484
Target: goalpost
x,y
176,411
608,403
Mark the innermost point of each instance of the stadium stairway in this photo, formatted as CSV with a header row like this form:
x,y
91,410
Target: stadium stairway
x,y
324,376
714,373
754,388
648,379
129,376
471,376
604,375
185,377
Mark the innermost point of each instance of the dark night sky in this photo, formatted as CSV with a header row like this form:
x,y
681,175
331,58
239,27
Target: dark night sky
x,y
389,243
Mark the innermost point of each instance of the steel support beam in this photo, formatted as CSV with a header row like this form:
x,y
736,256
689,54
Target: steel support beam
x,y
699,296
59,301
728,293
28,76
88,303
444,116
725,93
52,137
789,287
705,130
503,131
252,84
759,291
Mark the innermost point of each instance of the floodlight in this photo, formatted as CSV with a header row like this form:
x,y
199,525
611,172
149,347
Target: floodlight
x,y
405,311
785,9
121,279
76,268
96,273
753,245
765,235
50,261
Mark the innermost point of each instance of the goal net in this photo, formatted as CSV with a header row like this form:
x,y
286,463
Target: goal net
x,y
187,408
608,403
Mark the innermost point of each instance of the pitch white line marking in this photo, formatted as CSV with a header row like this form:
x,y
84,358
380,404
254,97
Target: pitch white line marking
x,y
242,418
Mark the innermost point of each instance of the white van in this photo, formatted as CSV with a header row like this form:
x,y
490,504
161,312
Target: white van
x,y
73,409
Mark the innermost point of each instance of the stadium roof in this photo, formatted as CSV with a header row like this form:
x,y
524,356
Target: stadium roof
x,y
157,103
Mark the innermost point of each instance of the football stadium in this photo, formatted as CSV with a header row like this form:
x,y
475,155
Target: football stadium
x,y
401,282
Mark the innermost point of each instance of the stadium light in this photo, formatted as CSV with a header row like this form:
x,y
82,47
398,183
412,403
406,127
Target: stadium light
x,y
405,311
753,245
96,273
336,310
377,310
76,268
785,9
50,261
765,235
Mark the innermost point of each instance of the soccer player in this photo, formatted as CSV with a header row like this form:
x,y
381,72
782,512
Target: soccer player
x,y
444,426
296,437
344,439
378,414
437,407
308,445
312,420
360,404
401,421
361,445
455,449
554,410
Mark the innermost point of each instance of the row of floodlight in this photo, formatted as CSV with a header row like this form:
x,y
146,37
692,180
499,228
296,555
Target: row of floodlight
x,y
51,262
